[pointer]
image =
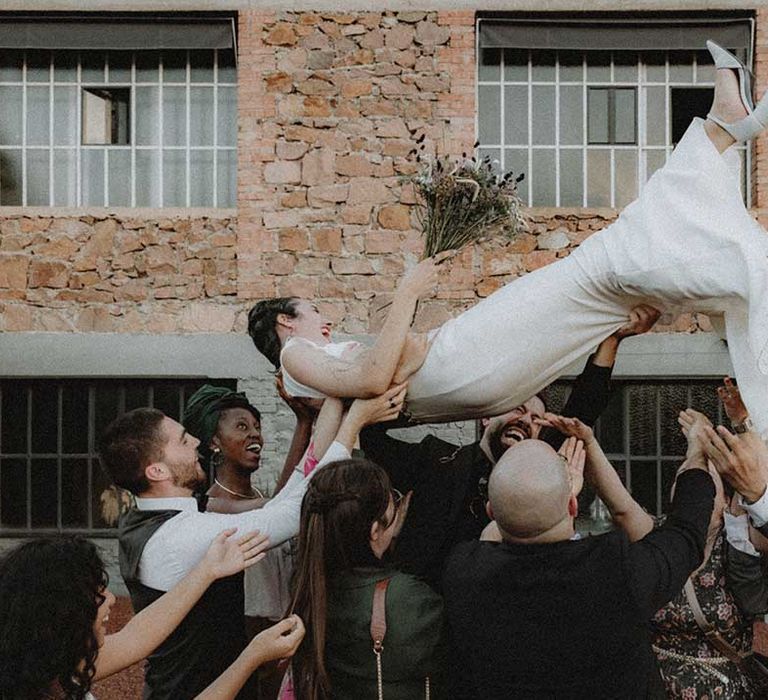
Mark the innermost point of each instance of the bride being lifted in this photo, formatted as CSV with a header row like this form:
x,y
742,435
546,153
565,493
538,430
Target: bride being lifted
x,y
687,241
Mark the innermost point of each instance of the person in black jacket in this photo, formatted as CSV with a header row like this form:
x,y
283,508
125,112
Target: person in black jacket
x,y
449,482
541,615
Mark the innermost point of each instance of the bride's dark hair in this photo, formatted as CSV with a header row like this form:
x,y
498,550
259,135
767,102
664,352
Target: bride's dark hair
x,y
50,591
342,502
262,319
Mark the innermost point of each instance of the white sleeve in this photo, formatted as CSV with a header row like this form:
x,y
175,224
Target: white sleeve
x,y
757,511
179,544
737,533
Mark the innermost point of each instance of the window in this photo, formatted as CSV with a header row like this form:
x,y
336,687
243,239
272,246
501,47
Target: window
x,y
611,116
50,477
640,434
589,127
118,128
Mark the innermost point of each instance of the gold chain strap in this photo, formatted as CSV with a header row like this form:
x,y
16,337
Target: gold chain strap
x,y
379,680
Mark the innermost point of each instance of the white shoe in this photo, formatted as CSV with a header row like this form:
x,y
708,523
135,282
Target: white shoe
x,y
757,116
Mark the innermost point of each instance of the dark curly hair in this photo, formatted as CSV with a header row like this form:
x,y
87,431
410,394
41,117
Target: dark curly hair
x,y
50,591
262,319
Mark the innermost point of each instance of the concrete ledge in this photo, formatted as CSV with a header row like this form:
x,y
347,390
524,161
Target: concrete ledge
x,y
129,355
669,355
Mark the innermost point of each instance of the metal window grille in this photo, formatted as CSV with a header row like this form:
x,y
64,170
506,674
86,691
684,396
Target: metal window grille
x,y
532,117
50,477
181,150
640,435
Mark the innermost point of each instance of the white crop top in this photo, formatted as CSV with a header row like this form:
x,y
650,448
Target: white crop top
x,y
299,390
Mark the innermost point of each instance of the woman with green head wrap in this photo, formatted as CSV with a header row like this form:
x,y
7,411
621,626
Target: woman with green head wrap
x,y
229,429
231,442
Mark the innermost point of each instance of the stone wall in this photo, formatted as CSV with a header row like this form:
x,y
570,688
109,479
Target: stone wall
x,y
109,272
330,106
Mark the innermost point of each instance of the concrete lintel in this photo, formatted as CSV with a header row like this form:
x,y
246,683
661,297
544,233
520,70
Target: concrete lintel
x,y
362,5
129,355
669,355
232,355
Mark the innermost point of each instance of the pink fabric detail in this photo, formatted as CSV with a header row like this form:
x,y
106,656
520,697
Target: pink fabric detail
x,y
310,461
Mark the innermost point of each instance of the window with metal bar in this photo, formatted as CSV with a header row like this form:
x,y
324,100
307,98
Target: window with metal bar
x,y
50,477
588,128
640,434
170,140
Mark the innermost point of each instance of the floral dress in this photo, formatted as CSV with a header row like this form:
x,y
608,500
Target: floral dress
x,y
691,667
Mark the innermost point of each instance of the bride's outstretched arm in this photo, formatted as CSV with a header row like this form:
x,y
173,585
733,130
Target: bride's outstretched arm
x,y
369,373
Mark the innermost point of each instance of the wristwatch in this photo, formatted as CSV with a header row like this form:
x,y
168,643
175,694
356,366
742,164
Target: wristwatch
x,y
744,427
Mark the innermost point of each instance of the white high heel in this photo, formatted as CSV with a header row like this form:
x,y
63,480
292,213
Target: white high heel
x,y
757,116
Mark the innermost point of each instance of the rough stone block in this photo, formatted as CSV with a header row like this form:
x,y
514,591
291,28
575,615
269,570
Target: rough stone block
x,y
554,240
48,273
354,165
282,34
13,271
352,266
283,172
318,167
368,190
293,239
322,195
395,216
326,240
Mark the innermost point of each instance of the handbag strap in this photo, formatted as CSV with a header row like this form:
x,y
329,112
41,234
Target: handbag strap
x,y
379,615
379,631
712,635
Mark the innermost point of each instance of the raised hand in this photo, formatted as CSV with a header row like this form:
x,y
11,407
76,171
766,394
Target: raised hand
x,y
572,451
422,279
572,427
641,319
302,408
693,425
228,555
401,513
742,460
379,409
279,641
734,407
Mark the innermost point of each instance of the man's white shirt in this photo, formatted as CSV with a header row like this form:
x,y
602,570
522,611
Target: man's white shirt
x,y
181,542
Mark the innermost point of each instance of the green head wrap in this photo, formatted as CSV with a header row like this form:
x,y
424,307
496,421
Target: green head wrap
x,y
201,414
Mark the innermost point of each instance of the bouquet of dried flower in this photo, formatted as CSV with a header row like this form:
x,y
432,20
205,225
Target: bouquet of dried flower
x,y
463,200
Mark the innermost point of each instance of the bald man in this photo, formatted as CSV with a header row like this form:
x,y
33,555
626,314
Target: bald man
x,y
541,615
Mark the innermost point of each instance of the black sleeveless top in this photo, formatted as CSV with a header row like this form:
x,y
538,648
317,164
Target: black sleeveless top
x,y
208,639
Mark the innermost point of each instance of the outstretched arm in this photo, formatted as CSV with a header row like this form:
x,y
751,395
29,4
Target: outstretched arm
x,y
302,433
147,630
625,511
369,373
277,642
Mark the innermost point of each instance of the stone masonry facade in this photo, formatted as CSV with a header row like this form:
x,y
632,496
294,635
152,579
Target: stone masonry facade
x,y
330,107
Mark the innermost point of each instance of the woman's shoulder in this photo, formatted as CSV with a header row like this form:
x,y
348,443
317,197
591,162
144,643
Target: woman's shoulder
x,y
408,590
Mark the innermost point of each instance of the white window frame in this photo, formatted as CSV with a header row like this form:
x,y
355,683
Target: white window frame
x,y
160,148
641,148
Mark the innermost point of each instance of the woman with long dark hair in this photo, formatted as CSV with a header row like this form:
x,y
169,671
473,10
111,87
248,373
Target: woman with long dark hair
x,y
54,606
349,519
